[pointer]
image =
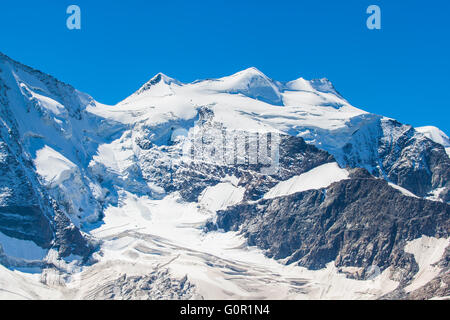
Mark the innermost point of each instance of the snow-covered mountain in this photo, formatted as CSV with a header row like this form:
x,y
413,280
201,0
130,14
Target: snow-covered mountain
x,y
436,135
237,187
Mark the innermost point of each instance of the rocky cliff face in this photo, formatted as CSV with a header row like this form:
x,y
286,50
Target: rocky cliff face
x,y
21,215
27,211
360,222
402,155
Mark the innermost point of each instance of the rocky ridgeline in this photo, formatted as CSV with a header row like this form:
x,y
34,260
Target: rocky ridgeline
x,y
397,152
359,222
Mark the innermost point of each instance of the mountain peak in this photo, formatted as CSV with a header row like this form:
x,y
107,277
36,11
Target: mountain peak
x,y
315,85
162,78
252,83
250,72
323,85
158,80
437,135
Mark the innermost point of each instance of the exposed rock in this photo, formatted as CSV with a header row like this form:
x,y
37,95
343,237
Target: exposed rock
x,y
397,152
357,222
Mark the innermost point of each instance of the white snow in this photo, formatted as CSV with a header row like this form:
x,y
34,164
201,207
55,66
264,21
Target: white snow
x,y
221,196
403,190
47,103
52,166
434,194
246,100
15,285
427,251
317,178
143,234
436,135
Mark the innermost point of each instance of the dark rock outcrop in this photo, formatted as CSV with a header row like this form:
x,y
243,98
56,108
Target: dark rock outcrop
x,y
397,152
358,222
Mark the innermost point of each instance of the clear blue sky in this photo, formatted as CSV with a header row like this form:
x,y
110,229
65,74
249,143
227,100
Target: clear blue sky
x,y
401,71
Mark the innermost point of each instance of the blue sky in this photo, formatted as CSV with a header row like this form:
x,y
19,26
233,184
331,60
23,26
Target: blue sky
x,y
401,71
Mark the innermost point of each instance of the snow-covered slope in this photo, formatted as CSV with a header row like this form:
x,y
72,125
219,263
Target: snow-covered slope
x,y
127,183
247,99
436,135
317,178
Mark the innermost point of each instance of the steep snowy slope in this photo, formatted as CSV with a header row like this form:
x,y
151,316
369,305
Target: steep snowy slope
x,y
200,190
42,187
436,135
